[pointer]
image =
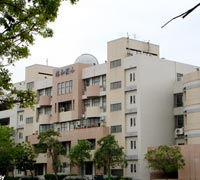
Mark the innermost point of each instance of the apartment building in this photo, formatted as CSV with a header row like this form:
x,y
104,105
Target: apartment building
x,y
132,95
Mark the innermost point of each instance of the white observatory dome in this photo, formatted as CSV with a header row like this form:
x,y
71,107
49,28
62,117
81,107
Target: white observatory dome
x,y
86,59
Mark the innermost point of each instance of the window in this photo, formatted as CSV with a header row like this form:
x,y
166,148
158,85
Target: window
x,y
21,117
179,121
40,111
86,103
41,92
59,88
115,107
68,86
132,99
132,77
104,103
132,122
115,63
134,144
95,81
64,87
104,82
179,76
131,144
65,126
20,135
95,102
86,83
29,120
115,85
30,85
134,168
48,91
47,110
46,127
131,168
65,106
91,122
92,143
116,129
178,100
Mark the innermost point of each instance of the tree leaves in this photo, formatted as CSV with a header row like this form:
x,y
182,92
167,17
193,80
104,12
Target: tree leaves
x,y
20,22
80,153
165,158
110,154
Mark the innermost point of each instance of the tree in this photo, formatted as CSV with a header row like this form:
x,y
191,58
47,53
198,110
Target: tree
x,y
166,159
79,154
9,95
6,149
20,22
109,154
49,142
24,158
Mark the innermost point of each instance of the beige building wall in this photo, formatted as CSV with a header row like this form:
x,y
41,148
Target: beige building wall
x,y
191,84
191,154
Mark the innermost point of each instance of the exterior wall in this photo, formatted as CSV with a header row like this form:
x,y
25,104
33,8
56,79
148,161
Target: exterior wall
x,y
191,154
75,96
130,96
191,84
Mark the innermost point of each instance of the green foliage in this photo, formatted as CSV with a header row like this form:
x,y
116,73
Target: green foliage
x,y
24,157
165,158
20,22
10,95
109,154
80,153
53,177
49,141
7,147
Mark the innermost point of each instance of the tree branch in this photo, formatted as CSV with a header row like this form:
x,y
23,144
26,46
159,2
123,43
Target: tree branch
x,y
183,15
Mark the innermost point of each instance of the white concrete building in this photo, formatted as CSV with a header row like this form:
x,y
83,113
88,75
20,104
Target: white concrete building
x,y
131,96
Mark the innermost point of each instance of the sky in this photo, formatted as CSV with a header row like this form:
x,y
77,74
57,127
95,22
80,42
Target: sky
x,y
87,27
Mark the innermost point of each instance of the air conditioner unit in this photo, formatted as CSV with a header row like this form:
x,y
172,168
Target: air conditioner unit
x,y
78,123
179,131
83,115
102,118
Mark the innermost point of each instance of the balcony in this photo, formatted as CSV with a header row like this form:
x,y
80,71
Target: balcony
x,y
44,101
65,116
93,91
84,133
93,111
131,110
44,118
131,134
20,126
131,157
131,88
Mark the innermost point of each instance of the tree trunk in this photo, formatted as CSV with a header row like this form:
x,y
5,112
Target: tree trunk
x,y
82,170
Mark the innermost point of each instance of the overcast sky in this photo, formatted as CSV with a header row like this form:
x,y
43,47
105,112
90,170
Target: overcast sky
x,y
87,27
